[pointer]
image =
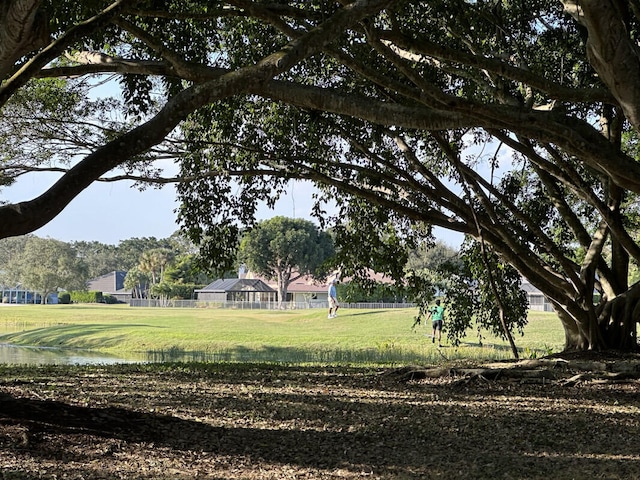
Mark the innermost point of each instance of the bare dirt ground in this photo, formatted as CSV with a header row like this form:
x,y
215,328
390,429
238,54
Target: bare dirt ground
x,y
260,422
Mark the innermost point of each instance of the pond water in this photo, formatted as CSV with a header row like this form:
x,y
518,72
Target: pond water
x,y
24,355
14,354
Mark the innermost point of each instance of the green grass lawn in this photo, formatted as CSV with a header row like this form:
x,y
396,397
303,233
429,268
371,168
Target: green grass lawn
x,y
294,336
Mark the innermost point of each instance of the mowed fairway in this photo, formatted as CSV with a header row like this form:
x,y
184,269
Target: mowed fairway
x,y
382,336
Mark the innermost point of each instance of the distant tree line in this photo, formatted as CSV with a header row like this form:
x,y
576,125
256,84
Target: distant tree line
x,y
280,249
46,265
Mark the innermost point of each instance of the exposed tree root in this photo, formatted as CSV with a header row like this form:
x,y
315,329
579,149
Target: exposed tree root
x,y
565,369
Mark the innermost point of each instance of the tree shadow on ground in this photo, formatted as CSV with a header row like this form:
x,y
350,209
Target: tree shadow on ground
x,y
427,430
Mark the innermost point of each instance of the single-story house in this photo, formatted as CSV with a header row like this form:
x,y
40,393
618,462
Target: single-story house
x,y
111,284
19,295
306,289
237,290
537,300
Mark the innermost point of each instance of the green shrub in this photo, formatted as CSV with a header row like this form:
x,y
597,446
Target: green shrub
x,y
184,291
79,296
64,298
110,299
176,291
371,292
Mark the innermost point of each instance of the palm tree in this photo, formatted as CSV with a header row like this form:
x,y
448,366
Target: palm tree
x,y
154,262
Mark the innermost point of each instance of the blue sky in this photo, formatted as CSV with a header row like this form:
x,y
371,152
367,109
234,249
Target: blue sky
x,y
112,212
106,212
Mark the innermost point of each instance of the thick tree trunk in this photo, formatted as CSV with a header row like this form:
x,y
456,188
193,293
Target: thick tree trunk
x,y
574,337
283,284
618,318
612,325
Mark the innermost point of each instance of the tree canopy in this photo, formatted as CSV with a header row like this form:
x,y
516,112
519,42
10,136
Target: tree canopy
x,y
513,123
45,265
286,249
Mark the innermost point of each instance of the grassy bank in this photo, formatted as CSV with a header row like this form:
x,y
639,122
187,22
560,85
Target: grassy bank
x,y
302,336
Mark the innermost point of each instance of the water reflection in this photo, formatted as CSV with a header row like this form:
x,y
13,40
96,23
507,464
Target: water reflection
x,y
24,355
15,354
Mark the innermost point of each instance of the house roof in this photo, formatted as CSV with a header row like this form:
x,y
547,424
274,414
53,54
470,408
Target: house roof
x,y
307,285
108,283
237,285
372,275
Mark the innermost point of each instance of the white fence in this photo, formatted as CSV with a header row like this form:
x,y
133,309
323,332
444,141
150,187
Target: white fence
x,y
260,305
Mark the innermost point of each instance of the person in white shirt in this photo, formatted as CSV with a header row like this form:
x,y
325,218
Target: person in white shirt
x,y
333,299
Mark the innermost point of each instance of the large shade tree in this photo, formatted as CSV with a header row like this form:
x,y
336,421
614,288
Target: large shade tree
x,y
46,266
515,123
286,249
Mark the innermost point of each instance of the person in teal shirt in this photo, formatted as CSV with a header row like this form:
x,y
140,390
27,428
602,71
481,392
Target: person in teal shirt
x,y
437,319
